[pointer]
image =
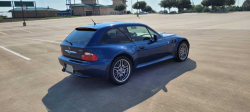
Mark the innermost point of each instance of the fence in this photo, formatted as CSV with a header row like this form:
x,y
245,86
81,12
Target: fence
x,y
33,14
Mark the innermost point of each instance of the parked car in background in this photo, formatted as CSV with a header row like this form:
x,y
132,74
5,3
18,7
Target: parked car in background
x,y
173,12
143,13
160,12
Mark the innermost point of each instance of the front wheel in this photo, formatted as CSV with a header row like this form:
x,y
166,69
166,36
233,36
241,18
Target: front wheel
x,y
182,51
120,70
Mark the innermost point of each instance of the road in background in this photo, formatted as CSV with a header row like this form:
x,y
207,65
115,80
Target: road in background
x,y
214,78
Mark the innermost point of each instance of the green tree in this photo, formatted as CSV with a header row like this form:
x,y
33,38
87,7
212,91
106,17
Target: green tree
x,y
231,8
206,9
213,3
147,9
229,2
239,8
191,9
165,12
153,11
128,12
198,8
120,7
164,4
218,3
181,4
206,3
246,5
234,8
218,9
2,16
168,4
142,5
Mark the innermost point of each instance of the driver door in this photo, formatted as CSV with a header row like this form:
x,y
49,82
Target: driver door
x,y
146,48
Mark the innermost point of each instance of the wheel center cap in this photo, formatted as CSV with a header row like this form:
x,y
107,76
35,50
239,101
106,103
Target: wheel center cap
x,y
120,70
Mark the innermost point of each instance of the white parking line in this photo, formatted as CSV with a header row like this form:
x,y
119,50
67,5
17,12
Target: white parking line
x,y
26,31
3,33
44,40
15,53
21,44
46,29
3,37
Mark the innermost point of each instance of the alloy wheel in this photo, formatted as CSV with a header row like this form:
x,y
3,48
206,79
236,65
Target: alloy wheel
x,y
121,70
183,51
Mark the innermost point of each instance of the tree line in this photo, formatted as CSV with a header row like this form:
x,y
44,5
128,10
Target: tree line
x,y
185,6
216,5
143,7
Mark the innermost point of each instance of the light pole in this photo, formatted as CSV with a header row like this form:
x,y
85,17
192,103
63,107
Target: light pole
x,y
70,9
131,6
137,8
24,24
35,8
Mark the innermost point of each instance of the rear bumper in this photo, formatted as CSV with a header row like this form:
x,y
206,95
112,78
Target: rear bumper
x,y
84,68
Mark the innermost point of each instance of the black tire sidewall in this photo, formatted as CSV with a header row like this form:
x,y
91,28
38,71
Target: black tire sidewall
x,y
177,54
111,76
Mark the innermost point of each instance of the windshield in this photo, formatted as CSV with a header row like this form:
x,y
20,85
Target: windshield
x,y
80,37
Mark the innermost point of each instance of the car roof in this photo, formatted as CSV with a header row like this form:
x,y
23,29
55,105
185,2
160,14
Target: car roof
x,y
110,24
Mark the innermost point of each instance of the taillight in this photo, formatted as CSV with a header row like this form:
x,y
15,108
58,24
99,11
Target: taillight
x,y
62,52
89,57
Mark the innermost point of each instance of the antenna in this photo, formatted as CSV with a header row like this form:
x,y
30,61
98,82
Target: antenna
x,y
92,20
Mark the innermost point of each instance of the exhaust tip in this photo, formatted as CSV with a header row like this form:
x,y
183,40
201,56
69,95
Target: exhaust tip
x,y
63,70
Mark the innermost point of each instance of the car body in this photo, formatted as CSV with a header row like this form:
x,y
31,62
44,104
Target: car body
x,y
138,43
143,13
160,12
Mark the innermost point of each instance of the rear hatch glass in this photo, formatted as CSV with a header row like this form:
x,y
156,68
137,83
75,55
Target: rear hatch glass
x,y
73,45
80,36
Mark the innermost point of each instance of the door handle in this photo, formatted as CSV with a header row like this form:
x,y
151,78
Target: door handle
x,y
142,47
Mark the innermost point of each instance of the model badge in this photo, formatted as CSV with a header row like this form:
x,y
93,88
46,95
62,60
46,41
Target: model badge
x,y
68,51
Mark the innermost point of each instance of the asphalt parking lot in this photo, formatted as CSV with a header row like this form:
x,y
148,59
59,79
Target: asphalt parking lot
x,y
215,78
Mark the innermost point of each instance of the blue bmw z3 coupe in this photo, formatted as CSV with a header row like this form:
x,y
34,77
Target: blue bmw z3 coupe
x,y
115,49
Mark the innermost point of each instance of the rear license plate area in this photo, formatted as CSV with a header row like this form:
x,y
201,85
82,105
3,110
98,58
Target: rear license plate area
x,y
69,68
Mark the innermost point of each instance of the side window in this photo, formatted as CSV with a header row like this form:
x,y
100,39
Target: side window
x,y
125,31
139,33
153,33
114,36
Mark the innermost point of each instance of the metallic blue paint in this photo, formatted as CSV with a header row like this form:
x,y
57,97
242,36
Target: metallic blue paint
x,y
87,69
156,61
165,48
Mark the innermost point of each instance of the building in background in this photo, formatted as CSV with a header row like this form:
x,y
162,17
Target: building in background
x,y
34,12
91,7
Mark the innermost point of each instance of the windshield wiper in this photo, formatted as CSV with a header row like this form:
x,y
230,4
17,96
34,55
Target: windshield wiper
x,y
69,42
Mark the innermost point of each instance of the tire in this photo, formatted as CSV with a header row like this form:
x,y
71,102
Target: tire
x,y
182,52
120,74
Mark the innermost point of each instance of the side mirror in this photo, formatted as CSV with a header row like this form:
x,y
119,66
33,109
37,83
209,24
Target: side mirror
x,y
155,38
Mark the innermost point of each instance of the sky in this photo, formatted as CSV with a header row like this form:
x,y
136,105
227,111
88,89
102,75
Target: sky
x,y
60,4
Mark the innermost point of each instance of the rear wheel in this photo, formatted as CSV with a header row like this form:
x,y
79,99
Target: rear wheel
x,y
120,70
182,51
